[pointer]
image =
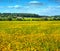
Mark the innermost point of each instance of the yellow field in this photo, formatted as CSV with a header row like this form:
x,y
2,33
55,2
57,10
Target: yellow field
x,y
30,36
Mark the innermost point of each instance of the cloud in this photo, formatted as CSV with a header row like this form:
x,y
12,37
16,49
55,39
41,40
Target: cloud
x,y
16,7
53,7
12,7
55,1
35,3
50,10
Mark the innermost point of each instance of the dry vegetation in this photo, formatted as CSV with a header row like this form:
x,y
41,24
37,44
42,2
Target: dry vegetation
x,y
30,36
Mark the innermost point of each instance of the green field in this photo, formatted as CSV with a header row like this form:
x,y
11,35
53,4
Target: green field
x,y
29,35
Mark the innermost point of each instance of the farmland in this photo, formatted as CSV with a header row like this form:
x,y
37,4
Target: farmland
x,y
29,35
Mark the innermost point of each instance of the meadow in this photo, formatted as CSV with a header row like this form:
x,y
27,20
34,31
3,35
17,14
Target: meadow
x,y
29,35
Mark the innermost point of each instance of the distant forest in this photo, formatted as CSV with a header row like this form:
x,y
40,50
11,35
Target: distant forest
x,y
27,17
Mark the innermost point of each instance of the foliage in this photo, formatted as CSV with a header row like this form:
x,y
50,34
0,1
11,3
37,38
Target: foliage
x,y
27,17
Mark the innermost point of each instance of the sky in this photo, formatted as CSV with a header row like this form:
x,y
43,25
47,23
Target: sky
x,y
41,7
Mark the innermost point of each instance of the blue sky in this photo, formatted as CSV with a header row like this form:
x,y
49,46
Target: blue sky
x,y
41,7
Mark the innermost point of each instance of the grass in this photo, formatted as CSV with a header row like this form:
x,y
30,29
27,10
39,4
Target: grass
x,y
29,35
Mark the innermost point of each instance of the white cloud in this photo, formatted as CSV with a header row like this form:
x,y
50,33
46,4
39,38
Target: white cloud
x,y
35,3
6,11
16,6
50,10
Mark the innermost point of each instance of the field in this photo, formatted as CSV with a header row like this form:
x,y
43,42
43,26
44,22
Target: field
x,y
29,35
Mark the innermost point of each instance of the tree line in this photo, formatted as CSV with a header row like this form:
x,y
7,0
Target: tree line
x,y
26,17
